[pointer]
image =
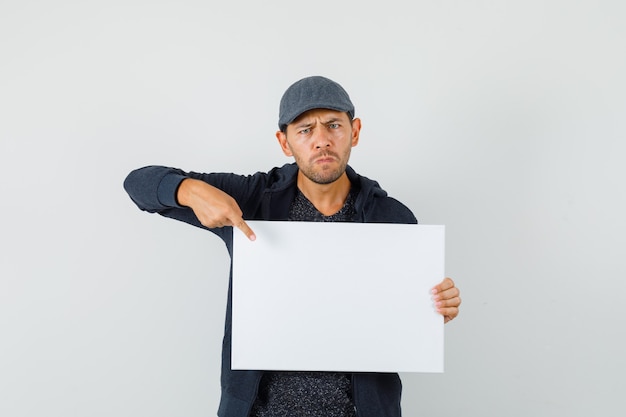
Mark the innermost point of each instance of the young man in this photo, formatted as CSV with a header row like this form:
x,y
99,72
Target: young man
x,y
318,129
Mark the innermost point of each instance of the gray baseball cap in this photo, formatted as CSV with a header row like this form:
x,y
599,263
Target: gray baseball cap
x,y
312,93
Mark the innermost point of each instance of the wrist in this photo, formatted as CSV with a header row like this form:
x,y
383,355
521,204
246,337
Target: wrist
x,y
184,192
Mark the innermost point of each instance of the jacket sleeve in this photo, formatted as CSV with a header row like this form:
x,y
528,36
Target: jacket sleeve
x,y
154,188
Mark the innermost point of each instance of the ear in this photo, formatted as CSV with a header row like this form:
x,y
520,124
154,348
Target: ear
x,y
284,145
356,129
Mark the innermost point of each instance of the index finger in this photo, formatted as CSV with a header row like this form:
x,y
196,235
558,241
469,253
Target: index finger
x,y
243,226
446,284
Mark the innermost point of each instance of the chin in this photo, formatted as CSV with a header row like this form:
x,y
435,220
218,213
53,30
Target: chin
x,y
327,178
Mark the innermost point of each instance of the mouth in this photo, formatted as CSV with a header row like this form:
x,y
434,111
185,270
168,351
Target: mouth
x,y
325,159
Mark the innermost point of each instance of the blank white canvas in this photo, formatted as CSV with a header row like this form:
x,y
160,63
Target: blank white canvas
x,y
337,297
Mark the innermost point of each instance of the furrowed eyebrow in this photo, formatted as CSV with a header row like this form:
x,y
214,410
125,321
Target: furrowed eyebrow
x,y
304,122
303,125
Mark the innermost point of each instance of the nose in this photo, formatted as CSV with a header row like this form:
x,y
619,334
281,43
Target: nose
x,y
321,139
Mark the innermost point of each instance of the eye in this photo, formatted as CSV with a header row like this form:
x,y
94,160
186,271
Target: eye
x,y
333,125
305,131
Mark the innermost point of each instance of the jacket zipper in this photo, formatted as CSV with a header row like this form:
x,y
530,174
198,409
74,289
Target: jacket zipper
x,y
356,411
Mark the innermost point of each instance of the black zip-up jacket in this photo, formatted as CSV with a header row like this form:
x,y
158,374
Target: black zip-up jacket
x,y
268,196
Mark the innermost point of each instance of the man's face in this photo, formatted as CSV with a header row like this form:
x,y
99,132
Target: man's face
x,y
320,141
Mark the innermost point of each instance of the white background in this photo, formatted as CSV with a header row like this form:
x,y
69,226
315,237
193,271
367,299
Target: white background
x,y
503,120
